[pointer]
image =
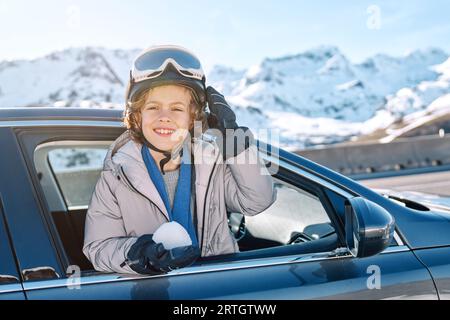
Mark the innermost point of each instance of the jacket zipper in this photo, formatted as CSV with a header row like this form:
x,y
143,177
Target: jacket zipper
x,y
137,191
204,204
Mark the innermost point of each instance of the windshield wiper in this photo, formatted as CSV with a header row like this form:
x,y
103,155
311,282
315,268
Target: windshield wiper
x,y
410,203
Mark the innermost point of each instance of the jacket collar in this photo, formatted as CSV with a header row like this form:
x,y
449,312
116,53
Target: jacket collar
x,y
125,153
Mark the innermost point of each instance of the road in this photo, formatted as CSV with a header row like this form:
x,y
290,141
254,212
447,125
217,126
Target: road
x,y
435,183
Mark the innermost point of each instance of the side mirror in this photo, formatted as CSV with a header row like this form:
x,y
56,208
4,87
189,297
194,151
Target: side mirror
x,y
369,228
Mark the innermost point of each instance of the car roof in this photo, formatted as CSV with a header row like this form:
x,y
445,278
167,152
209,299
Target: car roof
x,y
54,113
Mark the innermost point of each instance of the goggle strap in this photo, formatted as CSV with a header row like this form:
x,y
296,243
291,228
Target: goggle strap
x,y
167,154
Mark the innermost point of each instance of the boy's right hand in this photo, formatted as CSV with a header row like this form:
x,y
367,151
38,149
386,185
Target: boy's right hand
x,y
147,257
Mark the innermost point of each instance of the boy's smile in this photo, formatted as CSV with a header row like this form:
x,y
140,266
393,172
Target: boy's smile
x,y
166,116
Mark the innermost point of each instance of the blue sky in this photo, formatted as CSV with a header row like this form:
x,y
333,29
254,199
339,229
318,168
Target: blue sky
x,y
236,33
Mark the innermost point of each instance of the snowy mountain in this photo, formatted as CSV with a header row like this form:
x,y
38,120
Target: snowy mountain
x,y
72,77
319,96
420,104
314,97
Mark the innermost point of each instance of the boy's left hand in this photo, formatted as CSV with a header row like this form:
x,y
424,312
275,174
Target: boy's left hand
x,y
235,138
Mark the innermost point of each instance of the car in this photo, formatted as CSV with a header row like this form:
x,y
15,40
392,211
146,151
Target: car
x,y
325,237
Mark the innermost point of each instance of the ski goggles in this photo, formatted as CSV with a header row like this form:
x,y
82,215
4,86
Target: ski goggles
x,y
152,63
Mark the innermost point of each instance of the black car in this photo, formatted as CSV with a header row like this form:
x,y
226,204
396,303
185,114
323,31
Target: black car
x,y
326,236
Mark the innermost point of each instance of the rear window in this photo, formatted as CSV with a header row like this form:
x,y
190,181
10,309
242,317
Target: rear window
x,y
76,171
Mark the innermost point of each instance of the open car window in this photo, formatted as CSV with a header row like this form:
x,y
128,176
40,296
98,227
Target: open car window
x,y
297,223
294,211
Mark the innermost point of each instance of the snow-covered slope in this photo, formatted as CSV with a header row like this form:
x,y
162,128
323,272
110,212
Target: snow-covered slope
x,y
317,96
72,77
420,95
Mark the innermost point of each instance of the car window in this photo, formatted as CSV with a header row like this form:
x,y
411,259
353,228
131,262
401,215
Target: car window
x,y
76,171
295,213
68,172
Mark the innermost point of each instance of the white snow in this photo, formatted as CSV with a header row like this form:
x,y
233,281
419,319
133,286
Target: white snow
x,y
172,235
438,108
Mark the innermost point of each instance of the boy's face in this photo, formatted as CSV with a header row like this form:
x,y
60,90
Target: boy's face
x,y
166,116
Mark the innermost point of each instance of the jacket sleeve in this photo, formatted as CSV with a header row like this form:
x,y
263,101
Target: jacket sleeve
x,y
106,243
249,187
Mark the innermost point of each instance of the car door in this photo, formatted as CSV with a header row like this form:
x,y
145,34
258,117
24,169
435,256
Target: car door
x,y
277,272
24,238
10,283
438,262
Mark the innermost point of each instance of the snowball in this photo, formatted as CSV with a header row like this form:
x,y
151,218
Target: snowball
x,y
172,235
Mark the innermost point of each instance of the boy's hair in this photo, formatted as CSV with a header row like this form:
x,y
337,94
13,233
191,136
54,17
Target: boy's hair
x,y
133,120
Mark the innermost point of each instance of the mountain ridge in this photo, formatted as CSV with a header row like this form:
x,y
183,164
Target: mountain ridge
x,y
312,97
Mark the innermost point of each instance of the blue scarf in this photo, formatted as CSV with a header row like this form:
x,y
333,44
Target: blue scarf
x,y
181,211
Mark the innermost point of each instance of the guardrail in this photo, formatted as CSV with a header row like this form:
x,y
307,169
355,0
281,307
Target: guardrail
x,y
373,159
